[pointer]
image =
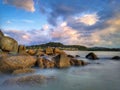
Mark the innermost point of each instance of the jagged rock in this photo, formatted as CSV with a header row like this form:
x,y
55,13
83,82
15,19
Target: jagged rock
x,y
23,71
21,49
49,51
45,63
8,44
75,62
92,56
26,80
10,63
61,61
116,57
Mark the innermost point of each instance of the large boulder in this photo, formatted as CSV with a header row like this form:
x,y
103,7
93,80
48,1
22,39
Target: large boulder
x,y
39,52
61,61
49,51
92,56
116,57
10,63
45,63
8,44
21,49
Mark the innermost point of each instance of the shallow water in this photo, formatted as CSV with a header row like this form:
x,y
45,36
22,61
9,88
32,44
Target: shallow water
x,y
103,76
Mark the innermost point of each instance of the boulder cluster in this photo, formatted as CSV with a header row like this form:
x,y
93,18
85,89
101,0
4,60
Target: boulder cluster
x,y
17,59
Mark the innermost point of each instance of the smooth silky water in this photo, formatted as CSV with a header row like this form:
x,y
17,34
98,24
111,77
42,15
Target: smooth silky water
x,y
103,74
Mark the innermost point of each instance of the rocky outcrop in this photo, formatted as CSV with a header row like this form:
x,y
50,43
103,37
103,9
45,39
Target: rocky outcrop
x,y
116,57
26,80
45,63
21,49
75,62
61,61
23,71
49,51
92,56
10,63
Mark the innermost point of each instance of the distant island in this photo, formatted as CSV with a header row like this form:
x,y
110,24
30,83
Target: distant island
x,y
71,47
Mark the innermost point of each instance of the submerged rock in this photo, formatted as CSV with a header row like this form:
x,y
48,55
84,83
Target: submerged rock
x,y
92,56
26,80
75,62
116,57
61,61
10,63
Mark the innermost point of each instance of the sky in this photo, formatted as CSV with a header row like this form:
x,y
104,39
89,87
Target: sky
x,y
92,23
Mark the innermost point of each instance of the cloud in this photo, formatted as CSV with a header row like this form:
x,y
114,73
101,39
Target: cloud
x,y
88,19
27,21
24,4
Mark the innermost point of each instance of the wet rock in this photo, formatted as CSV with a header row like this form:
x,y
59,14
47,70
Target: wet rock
x,y
77,56
75,62
49,51
10,63
8,44
23,71
116,57
21,49
70,56
45,63
26,81
61,61
92,56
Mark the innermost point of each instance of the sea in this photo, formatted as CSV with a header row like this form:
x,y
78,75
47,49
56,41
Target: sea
x,y
102,74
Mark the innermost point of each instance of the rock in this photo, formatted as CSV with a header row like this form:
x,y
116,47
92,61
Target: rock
x,y
75,62
23,71
77,56
39,52
21,49
26,81
1,34
116,57
61,61
49,51
92,56
70,56
10,63
45,63
8,44
31,52
58,51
